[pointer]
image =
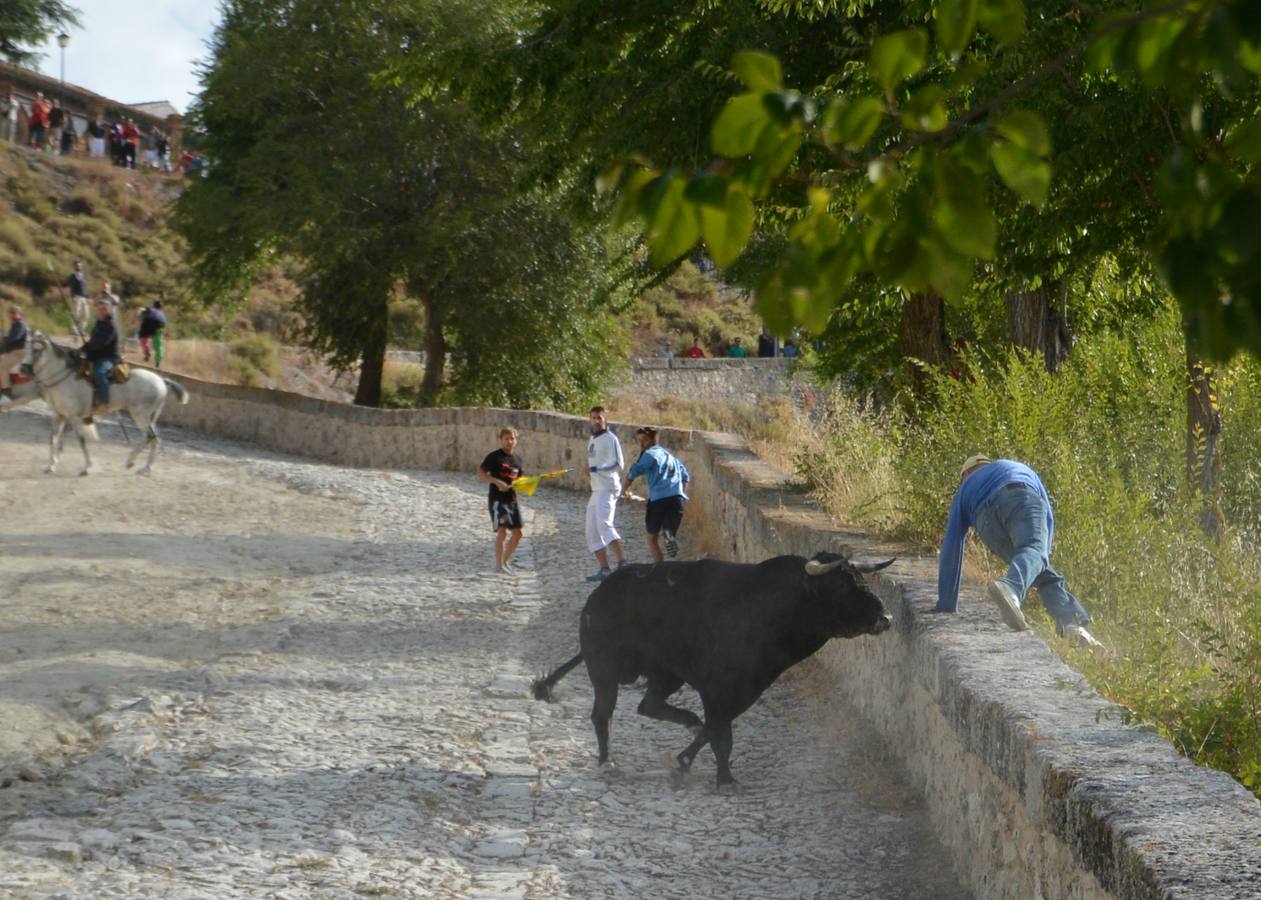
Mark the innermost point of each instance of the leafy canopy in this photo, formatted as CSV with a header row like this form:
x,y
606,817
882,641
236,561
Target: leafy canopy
x,y
916,163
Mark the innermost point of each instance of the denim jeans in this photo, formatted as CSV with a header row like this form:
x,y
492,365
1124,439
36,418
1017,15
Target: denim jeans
x,y
100,373
1012,524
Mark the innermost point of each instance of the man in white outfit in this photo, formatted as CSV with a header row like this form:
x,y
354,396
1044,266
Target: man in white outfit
x,y
604,461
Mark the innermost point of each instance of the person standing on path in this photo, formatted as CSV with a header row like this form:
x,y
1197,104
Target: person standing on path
x,y
667,479
738,350
9,119
12,348
152,326
1006,503
500,469
604,462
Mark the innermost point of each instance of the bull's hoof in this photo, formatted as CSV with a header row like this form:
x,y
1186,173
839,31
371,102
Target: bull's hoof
x,y
50,470
730,786
85,473
131,464
685,762
608,767
145,471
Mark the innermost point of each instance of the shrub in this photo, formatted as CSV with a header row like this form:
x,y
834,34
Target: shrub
x,y
257,352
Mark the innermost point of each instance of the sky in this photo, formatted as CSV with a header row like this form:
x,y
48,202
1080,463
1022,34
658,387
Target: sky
x,y
136,51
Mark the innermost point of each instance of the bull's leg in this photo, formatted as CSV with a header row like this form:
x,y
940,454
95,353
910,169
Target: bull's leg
x,y
602,715
689,752
655,707
720,739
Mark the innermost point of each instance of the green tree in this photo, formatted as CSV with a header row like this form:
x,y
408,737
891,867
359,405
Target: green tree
x,y
378,183
25,23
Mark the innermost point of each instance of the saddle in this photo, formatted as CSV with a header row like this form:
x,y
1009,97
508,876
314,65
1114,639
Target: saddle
x,y
117,375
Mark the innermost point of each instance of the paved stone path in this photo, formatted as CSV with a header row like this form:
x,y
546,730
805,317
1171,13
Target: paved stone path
x,y
375,738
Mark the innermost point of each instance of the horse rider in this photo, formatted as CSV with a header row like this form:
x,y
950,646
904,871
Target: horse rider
x,y
12,348
101,351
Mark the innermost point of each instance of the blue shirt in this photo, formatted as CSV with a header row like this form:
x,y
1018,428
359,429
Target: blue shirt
x,y
973,493
665,473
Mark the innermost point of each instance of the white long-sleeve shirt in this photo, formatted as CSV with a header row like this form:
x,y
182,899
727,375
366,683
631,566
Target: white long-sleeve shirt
x,y
604,453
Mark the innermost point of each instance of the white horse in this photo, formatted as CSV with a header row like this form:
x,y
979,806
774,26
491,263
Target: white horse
x,y
56,378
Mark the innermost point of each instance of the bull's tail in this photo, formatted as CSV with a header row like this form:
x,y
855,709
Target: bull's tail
x,y
543,686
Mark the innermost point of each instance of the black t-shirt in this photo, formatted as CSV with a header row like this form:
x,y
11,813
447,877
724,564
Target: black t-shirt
x,y
78,283
505,467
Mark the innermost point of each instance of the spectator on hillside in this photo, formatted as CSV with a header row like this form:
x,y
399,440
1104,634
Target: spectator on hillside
x,y
9,119
790,349
164,153
96,138
665,352
694,351
56,122
108,295
737,349
765,346
131,140
69,136
37,122
77,285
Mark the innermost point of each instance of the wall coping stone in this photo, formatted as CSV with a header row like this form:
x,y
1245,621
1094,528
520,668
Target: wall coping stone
x,y
1110,799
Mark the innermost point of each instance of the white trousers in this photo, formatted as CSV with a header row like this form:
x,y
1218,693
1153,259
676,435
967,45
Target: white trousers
x,y
600,510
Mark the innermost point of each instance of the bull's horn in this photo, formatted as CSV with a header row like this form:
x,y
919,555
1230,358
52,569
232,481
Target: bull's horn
x,y
866,568
814,567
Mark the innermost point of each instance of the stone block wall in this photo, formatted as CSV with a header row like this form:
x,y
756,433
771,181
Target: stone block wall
x,y
711,380
1033,781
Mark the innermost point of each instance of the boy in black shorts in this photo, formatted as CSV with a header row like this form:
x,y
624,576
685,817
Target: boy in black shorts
x,y
499,469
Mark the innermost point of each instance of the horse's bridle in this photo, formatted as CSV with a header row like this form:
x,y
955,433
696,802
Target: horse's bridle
x,y
66,374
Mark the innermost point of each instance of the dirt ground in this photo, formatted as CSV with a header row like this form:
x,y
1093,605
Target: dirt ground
x,y
109,579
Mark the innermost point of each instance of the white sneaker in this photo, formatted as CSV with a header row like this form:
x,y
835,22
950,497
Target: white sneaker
x,y
1008,604
1080,636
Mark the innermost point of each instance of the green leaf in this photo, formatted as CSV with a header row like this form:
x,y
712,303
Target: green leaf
x,y
1237,234
1244,142
968,72
628,199
964,218
972,151
852,122
727,229
1027,175
707,189
956,21
672,223
896,57
775,150
739,126
758,70
1155,39
1005,19
925,110
1250,56
1026,130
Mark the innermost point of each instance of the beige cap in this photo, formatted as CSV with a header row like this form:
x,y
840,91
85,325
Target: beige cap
x,y
978,459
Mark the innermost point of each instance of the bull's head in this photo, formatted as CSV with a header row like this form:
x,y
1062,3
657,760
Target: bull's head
x,y
850,607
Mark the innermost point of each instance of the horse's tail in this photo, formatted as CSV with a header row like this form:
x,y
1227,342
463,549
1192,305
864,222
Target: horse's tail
x,y
542,687
181,395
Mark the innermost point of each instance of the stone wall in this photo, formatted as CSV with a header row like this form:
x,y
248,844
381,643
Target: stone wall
x,y
711,380
1033,781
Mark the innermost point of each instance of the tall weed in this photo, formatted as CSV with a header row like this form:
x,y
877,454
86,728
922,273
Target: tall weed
x,y
1180,612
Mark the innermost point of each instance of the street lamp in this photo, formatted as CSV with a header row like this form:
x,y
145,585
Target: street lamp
x,y
62,40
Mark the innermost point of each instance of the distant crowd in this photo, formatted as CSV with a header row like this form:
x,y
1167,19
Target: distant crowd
x,y
52,129
735,349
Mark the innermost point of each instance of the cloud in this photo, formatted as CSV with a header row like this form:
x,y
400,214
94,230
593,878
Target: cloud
x,y
136,51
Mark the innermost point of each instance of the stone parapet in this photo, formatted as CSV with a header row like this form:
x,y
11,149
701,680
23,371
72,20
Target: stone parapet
x,y
1033,781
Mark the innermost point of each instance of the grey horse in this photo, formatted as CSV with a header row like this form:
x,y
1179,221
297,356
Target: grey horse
x,y
57,381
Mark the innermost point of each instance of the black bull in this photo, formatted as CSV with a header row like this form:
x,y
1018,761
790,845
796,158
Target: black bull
x,y
727,629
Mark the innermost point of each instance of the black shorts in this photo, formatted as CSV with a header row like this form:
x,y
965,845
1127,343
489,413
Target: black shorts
x,y
665,513
504,514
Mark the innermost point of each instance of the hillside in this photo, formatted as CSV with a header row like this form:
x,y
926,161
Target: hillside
x,y
55,210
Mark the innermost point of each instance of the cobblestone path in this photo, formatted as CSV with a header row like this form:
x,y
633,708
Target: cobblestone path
x,y
370,733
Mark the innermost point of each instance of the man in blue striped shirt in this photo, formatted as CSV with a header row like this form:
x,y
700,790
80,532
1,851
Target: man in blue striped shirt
x,y
1009,508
